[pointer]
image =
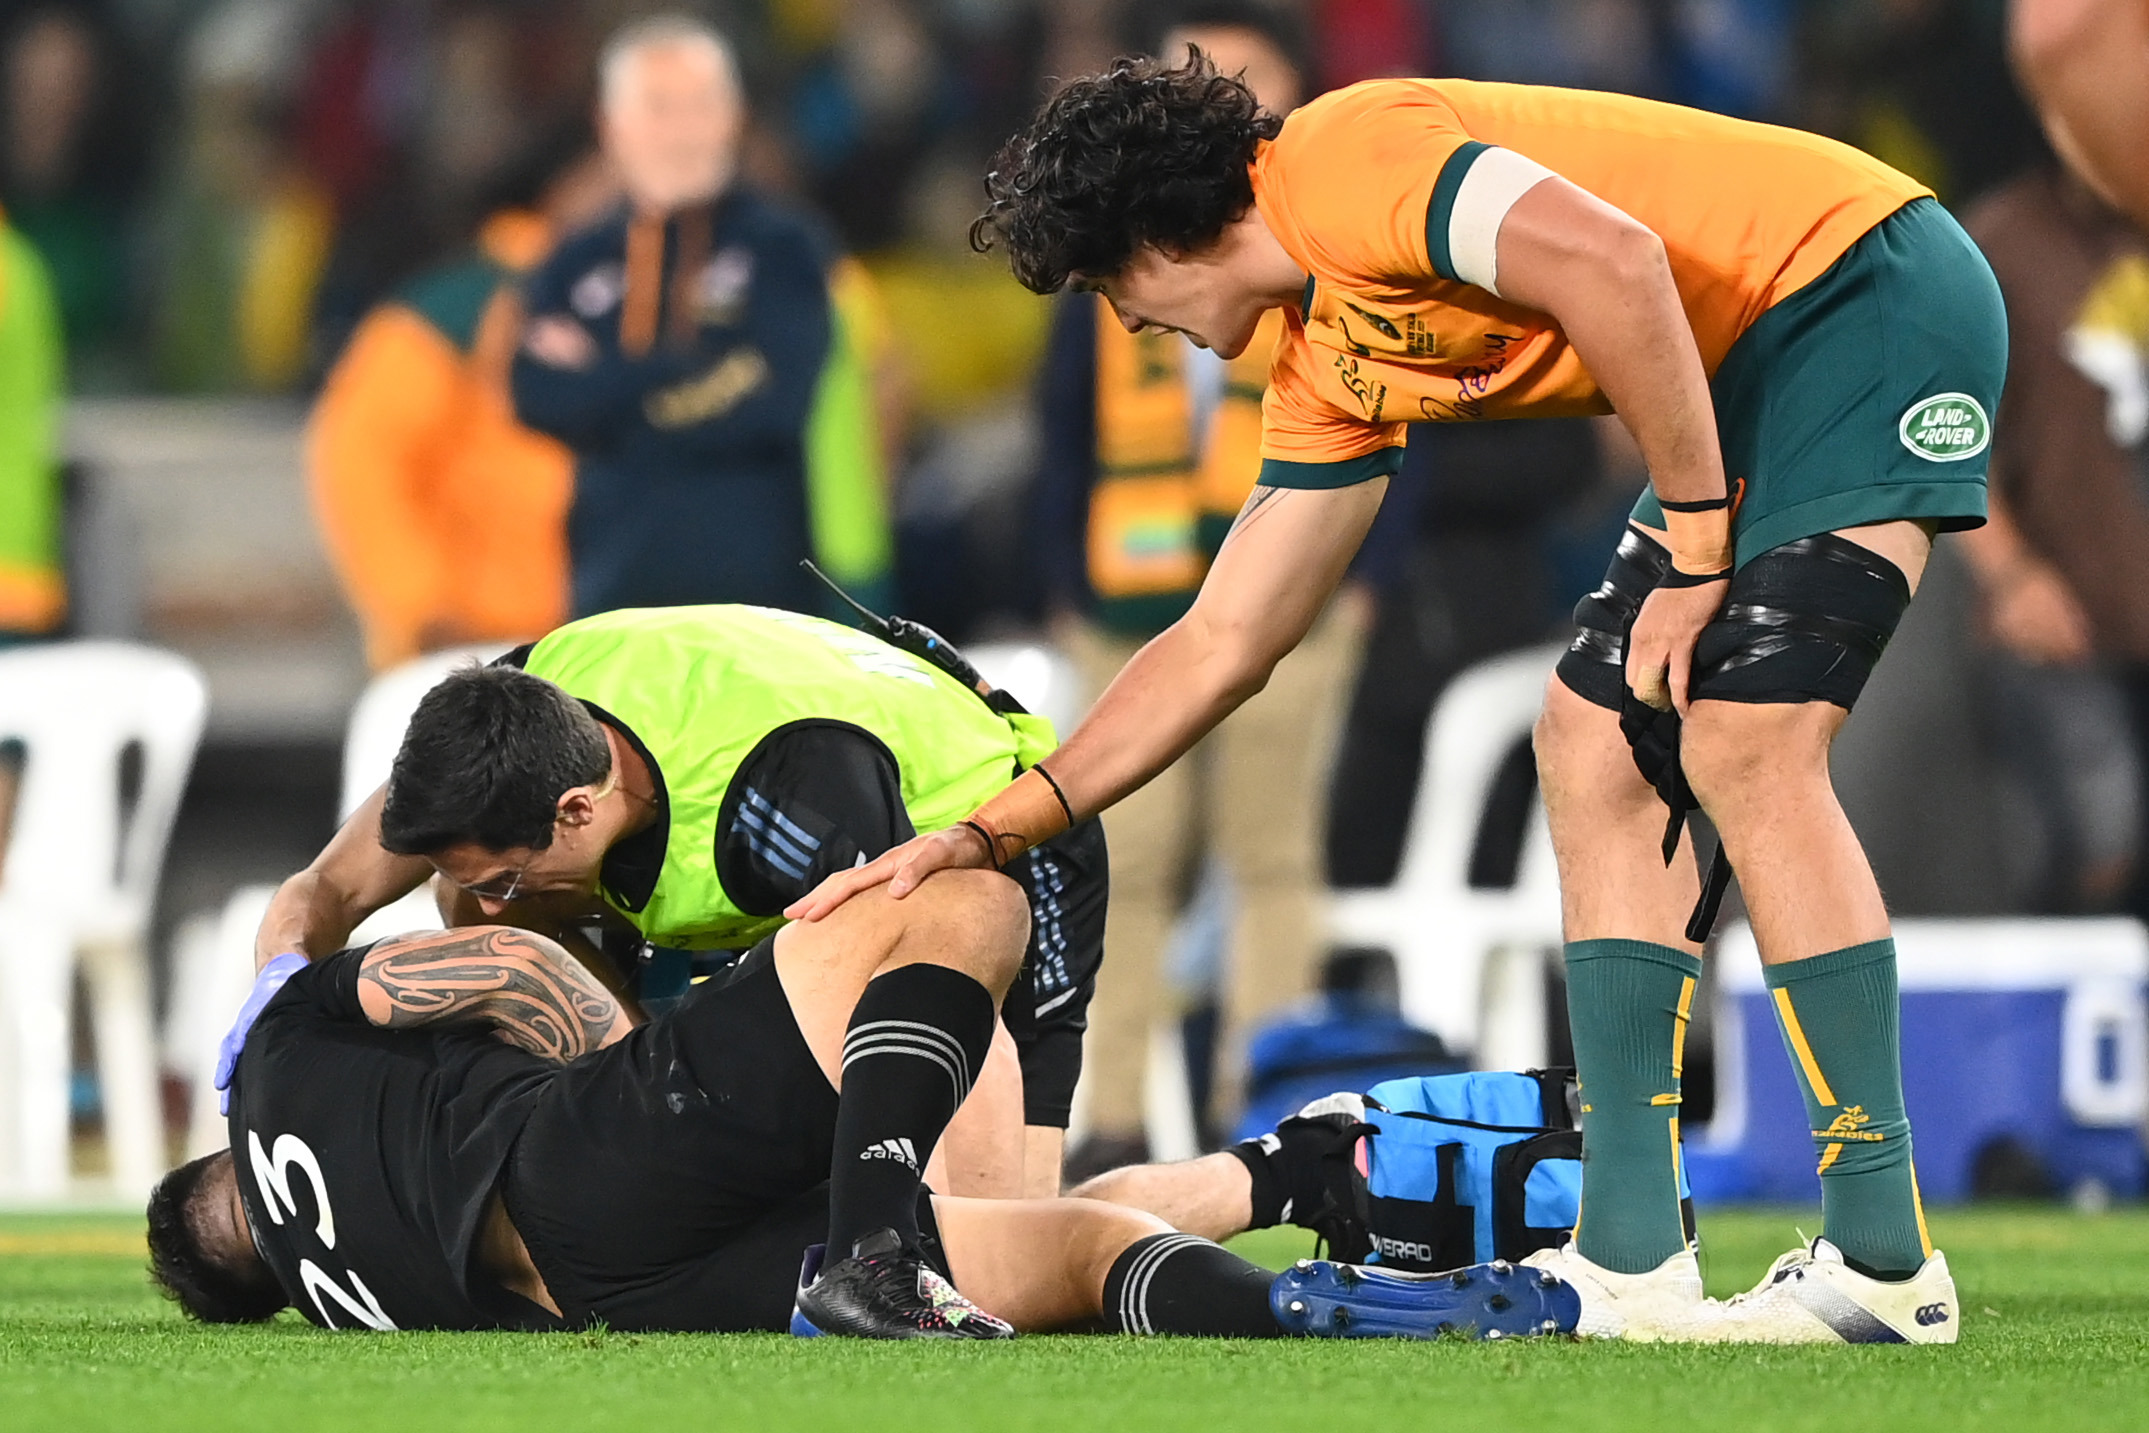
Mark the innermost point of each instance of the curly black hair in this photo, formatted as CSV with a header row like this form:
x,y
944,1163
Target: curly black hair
x,y
1142,154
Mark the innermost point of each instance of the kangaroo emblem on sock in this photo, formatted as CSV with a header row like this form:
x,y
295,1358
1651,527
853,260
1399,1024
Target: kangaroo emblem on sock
x,y
1847,1126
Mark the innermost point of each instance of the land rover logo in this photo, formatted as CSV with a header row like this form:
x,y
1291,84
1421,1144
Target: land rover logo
x,y
1945,428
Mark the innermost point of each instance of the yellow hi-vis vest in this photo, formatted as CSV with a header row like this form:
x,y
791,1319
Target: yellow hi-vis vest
x,y
702,687
1162,500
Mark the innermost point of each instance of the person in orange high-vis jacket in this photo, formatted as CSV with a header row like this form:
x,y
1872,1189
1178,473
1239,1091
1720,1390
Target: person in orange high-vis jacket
x,y
445,517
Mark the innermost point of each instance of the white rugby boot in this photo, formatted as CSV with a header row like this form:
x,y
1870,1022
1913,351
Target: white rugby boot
x,y
1659,1306
1811,1295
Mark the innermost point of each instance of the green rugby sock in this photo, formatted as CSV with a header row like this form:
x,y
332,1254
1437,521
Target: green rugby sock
x,y
1838,1014
1627,1004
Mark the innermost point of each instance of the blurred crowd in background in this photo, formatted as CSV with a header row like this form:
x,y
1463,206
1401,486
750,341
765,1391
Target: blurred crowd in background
x,y
220,188
375,208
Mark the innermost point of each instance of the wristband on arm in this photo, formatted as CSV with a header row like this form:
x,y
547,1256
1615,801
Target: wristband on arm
x,y
1028,811
1700,535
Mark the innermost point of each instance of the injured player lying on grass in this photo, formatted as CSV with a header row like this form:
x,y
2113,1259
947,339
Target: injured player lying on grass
x,y
464,1130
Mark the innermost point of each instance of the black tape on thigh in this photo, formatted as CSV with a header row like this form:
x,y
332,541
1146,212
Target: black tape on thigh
x,y
1595,667
1802,622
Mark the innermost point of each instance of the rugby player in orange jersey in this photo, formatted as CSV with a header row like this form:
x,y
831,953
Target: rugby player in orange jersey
x,y
1807,350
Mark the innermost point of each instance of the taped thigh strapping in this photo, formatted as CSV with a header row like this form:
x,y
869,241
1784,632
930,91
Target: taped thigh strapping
x,y
1802,622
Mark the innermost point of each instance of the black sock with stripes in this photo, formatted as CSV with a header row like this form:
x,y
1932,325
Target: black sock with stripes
x,y
917,1040
1176,1283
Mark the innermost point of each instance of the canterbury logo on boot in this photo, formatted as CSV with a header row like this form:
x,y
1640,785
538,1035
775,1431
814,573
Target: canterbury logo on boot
x,y
899,1150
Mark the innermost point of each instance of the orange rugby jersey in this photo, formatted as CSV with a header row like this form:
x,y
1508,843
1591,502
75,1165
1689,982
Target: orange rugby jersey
x,y
1389,195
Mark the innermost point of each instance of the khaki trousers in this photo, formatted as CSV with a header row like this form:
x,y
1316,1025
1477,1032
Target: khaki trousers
x,y
1253,794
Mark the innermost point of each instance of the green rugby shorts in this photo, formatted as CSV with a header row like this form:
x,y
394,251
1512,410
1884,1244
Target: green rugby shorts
x,y
1867,395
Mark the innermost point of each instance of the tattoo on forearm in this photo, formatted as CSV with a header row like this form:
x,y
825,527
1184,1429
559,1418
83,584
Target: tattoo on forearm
x,y
536,996
1257,500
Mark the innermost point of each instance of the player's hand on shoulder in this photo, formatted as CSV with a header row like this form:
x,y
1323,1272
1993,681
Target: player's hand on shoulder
x,y
901,870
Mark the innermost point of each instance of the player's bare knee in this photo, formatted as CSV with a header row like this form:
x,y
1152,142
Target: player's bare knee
x,y
1559,738
1104,1231
977,921
994,909
1581,757
1114,1186
1736,754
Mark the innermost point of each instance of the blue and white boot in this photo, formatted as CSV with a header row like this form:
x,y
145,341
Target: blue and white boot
x,y
1496,1300
1812,1295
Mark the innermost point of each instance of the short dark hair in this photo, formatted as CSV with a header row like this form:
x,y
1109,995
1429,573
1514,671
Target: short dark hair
x,y
1144,153
209,1284
486,758
1281,24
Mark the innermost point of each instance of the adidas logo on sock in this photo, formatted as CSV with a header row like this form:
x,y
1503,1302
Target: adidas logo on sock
x,y
899,1150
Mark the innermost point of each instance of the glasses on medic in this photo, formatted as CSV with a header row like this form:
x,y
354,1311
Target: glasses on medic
x,y
498,888
490,889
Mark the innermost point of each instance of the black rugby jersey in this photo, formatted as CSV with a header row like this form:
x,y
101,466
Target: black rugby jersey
x,y
366,1157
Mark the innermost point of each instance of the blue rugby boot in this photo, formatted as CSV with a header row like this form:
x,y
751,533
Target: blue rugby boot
x,y
1496,1300
884,1291
809,1269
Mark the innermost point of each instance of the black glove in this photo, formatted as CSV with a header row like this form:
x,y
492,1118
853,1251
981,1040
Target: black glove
x,y
1653,737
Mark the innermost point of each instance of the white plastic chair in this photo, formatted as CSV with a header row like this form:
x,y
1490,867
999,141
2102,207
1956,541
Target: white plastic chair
x,y
213,962
80,878
212,971
1469,960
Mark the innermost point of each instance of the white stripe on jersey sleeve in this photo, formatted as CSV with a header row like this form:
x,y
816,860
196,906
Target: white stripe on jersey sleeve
x,y
1496,180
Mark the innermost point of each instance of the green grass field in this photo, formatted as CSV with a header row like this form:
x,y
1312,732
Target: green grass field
x,y
2056,1335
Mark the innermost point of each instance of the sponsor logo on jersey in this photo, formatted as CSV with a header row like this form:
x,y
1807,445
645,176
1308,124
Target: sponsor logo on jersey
x,y
899,1150
599,291
1945,428
720,291
712,394
1930,1314
1371,393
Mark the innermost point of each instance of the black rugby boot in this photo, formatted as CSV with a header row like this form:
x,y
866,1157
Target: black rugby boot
x,y
884,1291
1305,1172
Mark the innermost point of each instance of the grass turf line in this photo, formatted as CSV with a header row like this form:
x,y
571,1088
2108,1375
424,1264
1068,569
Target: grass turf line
x,y
2056,1336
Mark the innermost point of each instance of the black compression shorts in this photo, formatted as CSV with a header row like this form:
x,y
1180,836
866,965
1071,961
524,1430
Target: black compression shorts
x,y
1803,622
676,1179
1068,883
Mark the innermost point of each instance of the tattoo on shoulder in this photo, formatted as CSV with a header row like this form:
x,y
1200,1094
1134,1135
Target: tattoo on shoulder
x,y
1257,500
534,994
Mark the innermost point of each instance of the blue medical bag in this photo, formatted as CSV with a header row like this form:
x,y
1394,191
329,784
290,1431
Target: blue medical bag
x,y
1468,1167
